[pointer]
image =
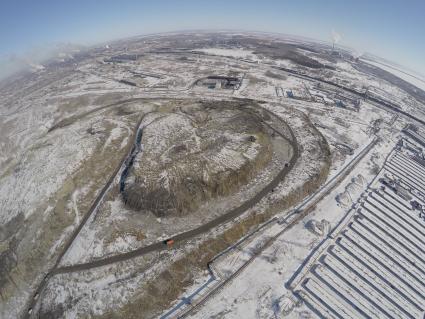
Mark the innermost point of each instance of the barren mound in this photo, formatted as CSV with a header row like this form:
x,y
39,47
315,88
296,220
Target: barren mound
x,y
193,153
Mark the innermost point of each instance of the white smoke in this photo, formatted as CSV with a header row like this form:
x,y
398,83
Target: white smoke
x,y
336,37
11,64
32,59
357,54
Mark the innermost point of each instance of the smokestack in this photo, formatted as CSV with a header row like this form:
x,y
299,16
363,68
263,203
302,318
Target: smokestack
x,y
336,37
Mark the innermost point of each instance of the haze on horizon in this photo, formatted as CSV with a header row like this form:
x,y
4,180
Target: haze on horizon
x,y
31,31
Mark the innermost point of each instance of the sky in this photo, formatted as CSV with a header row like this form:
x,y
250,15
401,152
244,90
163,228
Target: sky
x,y
392,29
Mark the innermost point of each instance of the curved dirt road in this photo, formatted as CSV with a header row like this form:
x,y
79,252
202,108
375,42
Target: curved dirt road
x,y
178,238
201,229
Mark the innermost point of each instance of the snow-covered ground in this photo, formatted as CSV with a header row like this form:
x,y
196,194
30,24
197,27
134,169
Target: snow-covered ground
x,y
65,129
260,289
236,53
415,79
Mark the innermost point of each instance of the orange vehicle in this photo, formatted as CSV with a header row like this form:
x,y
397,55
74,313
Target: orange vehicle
x,y
169,242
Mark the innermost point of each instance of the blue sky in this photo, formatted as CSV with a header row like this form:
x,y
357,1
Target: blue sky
x,y
391,29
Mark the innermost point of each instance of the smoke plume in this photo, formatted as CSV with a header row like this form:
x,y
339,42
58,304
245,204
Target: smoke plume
x,y
336,37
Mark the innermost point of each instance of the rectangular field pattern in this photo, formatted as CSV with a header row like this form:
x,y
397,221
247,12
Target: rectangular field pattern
x,y
373,264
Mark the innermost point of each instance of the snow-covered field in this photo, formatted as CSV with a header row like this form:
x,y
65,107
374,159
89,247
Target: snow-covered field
x,y
378,248
303,258
236,53
65,128
415,79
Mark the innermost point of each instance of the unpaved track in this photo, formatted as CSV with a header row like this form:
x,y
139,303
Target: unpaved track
x,y
290,221
83,221
201,229
192,233
178,238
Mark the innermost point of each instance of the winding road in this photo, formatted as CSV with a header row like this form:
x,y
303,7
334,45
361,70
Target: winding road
x,y
177,238
193,232
201,229
289,221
